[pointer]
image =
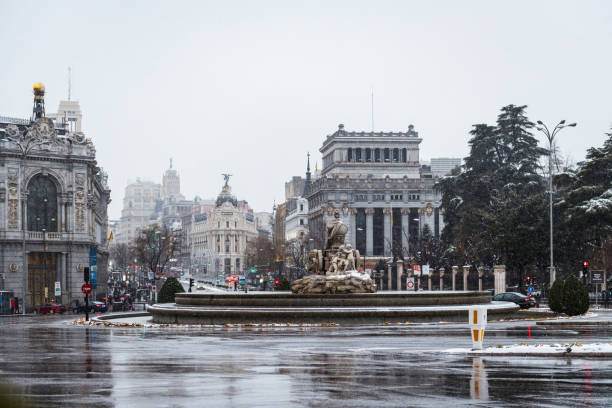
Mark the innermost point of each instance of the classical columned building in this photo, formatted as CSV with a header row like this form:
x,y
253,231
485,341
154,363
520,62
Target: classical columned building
x,y
53,210
219,238
382,192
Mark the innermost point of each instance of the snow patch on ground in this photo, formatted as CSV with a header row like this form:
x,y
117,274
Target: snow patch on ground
x,y
575,348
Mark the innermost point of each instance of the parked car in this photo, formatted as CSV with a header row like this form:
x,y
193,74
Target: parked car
x,y
524,301
94,307
51,308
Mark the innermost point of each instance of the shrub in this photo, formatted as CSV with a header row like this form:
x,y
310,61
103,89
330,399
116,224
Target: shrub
x,y
575,297
555,296
170,287
284,284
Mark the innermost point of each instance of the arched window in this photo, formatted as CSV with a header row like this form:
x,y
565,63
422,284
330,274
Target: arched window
x,y
42,204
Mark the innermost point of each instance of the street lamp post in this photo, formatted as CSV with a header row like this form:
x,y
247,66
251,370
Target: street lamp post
x,y
551,136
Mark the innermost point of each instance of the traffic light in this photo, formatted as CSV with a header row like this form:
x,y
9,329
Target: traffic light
x,y
585,267
86,274
528,279
181,273
276,282
190,284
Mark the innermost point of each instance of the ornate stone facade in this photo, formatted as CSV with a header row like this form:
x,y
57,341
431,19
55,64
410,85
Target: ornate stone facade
x,y
52,213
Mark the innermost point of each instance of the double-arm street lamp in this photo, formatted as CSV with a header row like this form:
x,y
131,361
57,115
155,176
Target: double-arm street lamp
x,y
551,136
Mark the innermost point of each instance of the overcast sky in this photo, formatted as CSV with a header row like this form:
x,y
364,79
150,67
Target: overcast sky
x,y
249,87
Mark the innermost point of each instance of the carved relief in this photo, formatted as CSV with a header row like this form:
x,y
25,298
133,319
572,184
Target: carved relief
x,y
79,209
330,210
13,199
429,210
387,211
405,211
369,211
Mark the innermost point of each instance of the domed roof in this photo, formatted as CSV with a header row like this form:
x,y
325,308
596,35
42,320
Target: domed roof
x,y
226,196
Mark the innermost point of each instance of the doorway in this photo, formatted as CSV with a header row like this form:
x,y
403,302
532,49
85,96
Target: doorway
x,y
41,277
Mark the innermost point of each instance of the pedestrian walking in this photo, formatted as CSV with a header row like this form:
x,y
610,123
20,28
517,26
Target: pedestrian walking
x,y
12,306
16,305
605,297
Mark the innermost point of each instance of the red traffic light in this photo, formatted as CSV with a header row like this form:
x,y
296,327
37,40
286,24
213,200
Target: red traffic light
x,y
585,264
276,282
528,278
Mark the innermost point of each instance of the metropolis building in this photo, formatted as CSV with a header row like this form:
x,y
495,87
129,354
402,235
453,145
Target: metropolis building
x,y
53,209
376,182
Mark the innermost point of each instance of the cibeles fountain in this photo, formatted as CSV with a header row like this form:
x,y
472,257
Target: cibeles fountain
x,y
335,269
335,291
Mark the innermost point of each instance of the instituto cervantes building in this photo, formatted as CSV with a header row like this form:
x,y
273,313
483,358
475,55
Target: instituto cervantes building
x,y
384,195
53,209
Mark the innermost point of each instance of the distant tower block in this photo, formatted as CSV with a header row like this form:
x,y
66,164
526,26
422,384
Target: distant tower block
x,y
69,116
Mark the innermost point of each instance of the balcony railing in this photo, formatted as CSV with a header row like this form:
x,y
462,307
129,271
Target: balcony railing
x,y
51,236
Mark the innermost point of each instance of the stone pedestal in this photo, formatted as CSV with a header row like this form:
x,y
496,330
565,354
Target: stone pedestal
x,y
499,272
429,282
466,272
454,275
441,278
400,273
480,275
389,278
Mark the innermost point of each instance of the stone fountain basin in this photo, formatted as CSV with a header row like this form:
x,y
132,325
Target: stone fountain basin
x,y
344,309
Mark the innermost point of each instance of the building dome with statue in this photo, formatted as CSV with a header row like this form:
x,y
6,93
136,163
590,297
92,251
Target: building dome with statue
x,y
219,239
53,209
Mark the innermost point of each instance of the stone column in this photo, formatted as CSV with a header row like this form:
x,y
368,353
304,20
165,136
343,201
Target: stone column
x,y
429,281
353,227
499,272
389,278
400,273
388,236
466,272
369,231
480,274
405,230
455,271
441,278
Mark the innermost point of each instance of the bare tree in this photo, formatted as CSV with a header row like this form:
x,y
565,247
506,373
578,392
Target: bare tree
x,y
121,255
296,252
260,251
155,246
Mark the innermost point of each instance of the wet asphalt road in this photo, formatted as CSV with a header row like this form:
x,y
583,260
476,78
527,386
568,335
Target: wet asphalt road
x,y
45,361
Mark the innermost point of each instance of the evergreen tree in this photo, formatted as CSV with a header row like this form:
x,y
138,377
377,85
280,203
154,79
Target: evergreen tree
x,y
170,288
555,296
493,209
575,297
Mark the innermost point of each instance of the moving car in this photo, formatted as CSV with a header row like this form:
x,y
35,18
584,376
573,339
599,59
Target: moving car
x,y
51,308
524,301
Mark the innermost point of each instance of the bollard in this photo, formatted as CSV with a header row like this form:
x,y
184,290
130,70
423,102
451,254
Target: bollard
x,y
477,320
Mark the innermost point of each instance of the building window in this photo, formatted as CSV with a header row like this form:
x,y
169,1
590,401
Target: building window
x,y
396,197
404,155
379,197
237,264
226,224
301,207
227,248
301,221
235,224
350,154
396,156
368,152
377,155
387,156
358,154
42,204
